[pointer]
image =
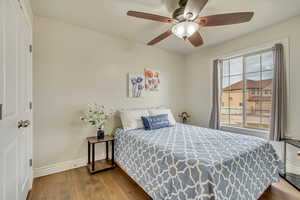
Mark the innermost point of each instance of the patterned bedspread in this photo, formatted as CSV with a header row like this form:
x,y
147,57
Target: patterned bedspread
x,y
189,162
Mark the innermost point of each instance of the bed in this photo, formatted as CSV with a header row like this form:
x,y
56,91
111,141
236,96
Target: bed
x,y
188,162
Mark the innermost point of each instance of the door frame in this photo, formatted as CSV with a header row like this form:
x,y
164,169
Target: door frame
x,y
29,23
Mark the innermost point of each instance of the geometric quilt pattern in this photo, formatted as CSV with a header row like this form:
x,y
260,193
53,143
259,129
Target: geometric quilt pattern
x,y
188,162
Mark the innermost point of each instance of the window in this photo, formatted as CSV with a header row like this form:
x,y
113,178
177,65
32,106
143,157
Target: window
x,y
246,91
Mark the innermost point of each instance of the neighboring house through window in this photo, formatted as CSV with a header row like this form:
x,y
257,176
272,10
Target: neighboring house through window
x,y
246,91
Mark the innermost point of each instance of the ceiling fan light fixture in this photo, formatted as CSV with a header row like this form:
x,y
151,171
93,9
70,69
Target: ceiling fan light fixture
x,y
185,29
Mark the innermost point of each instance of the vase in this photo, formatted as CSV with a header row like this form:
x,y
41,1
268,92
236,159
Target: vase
x,y
100,134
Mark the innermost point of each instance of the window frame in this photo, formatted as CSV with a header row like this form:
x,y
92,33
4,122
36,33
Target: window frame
x,y
243,130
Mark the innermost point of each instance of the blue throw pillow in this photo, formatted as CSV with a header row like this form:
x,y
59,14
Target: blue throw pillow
x,y
156,122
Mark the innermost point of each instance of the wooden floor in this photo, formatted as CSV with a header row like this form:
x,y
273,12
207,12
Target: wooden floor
x,y
78,184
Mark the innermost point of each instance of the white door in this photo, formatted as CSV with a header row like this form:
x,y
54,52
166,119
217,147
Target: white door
x,y
15,98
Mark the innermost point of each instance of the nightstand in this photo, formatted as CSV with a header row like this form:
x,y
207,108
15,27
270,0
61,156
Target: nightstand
x,y
100,165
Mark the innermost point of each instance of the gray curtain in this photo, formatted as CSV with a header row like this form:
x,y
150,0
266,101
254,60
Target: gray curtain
x,y
214,122
279,95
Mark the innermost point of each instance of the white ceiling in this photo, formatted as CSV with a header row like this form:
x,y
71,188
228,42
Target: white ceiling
x,y
109,16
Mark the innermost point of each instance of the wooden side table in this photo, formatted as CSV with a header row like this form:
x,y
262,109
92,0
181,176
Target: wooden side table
x,y
100,165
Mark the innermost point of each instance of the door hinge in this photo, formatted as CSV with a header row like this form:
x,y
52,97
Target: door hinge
x,y
30,48
30,105
30,162
0,111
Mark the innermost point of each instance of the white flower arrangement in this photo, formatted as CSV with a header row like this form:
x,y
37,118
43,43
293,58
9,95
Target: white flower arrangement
x,y
96,115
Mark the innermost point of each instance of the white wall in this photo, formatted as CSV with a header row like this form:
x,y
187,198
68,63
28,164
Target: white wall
x,y
74,66
199,70
28,7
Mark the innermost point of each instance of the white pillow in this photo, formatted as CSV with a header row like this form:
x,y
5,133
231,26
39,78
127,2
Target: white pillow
x,y
132,119
161,111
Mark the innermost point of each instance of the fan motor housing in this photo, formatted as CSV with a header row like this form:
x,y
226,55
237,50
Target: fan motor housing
x,y
182,3
179,12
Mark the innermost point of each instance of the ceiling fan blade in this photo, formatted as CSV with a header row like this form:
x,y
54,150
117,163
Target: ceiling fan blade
x,y
150,16
225,19
196,39
193,8
160,38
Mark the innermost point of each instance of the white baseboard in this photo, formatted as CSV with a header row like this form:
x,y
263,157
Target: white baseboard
x,y
62,166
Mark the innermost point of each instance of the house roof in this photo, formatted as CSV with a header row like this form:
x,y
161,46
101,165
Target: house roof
x,y
251,84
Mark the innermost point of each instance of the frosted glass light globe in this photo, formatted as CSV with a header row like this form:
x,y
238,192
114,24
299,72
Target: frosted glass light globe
x,y
185,29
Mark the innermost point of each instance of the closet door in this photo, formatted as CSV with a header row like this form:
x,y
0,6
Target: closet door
x,y
15,95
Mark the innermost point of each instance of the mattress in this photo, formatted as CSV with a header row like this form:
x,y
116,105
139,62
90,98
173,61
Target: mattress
x,y
188,162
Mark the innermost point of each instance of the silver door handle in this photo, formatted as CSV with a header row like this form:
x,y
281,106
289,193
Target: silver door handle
x,y
23,123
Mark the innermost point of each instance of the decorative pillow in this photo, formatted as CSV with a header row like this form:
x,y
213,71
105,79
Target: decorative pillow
x,y
132,119
156,122
160,111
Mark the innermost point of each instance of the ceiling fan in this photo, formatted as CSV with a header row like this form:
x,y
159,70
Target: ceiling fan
x,y
187,22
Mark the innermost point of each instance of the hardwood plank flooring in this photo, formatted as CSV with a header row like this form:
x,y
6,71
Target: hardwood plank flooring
x,y
78,184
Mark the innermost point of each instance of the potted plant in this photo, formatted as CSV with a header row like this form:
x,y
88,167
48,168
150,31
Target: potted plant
x,y
96,115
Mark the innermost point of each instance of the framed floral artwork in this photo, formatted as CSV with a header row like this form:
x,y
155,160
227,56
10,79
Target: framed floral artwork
x,y
152,80
136,85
